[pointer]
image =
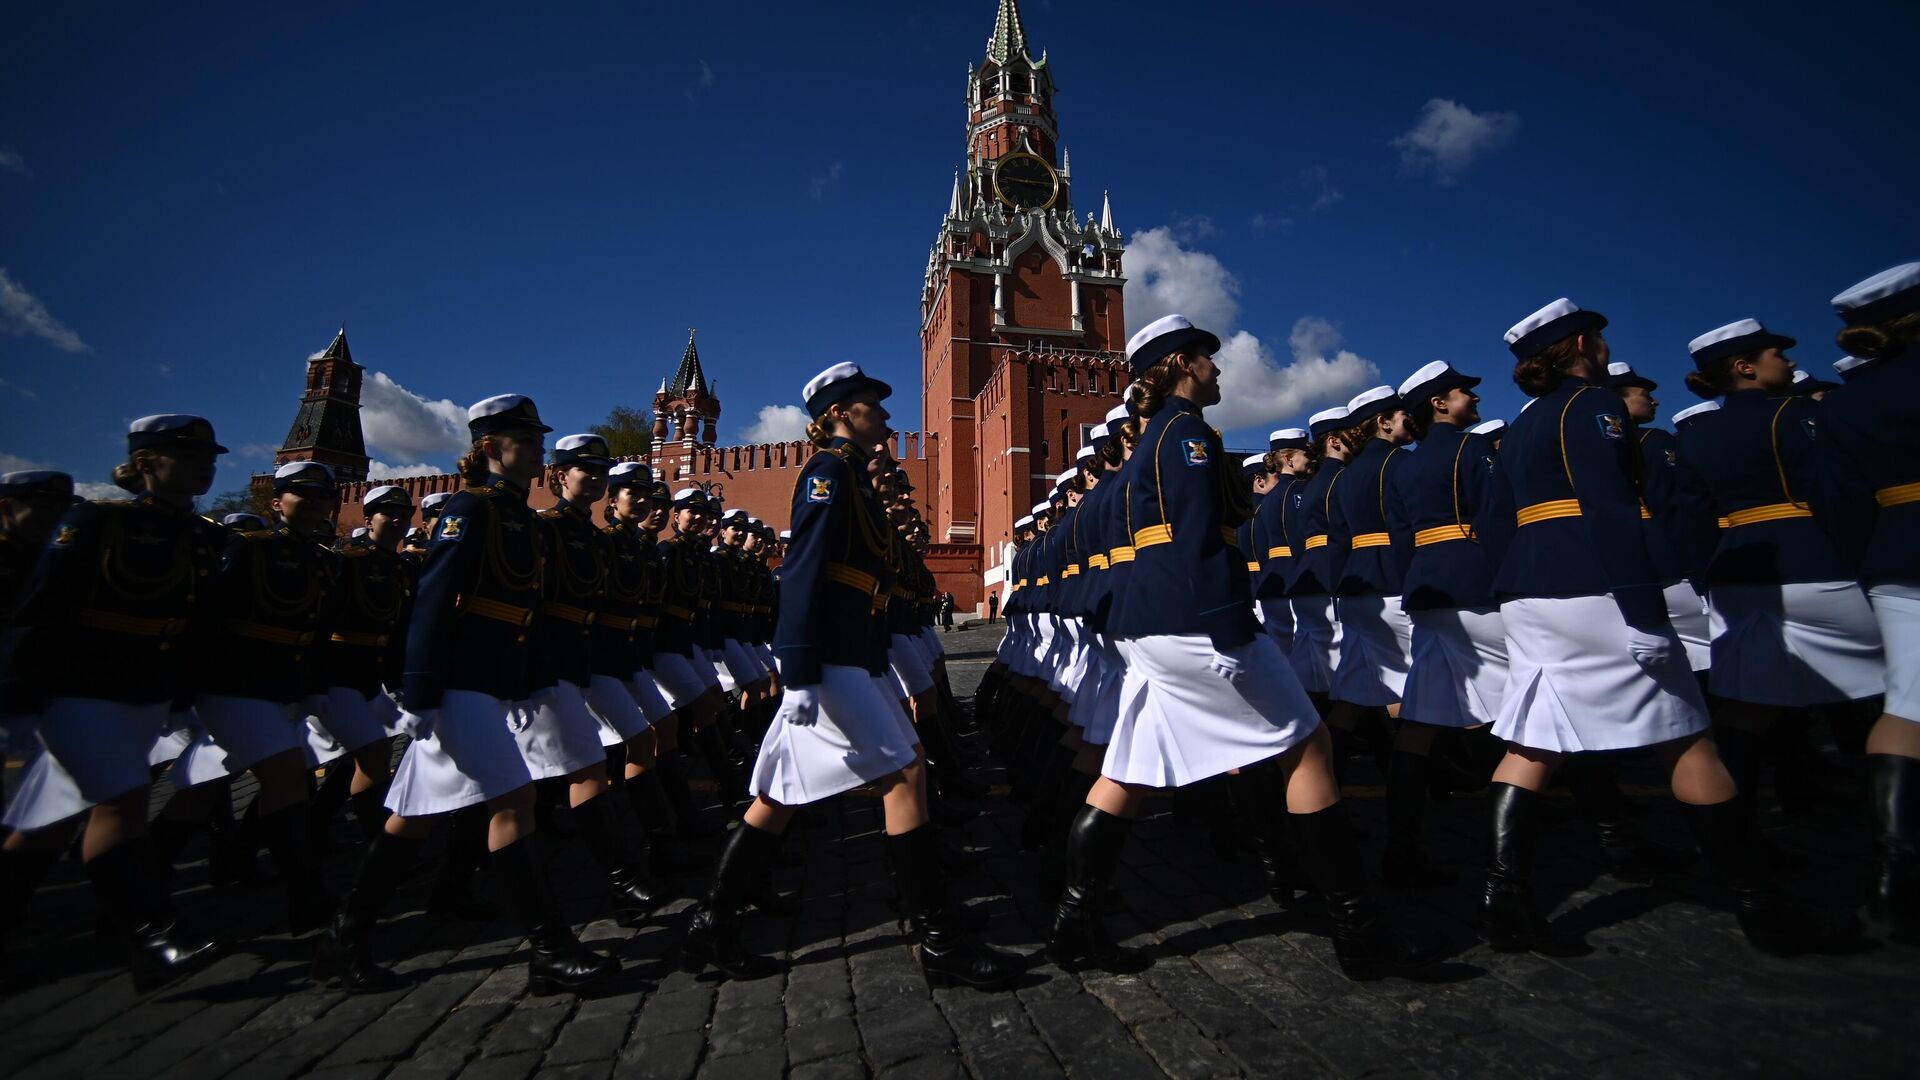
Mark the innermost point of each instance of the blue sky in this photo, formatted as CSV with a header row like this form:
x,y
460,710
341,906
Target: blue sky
x,y
541,198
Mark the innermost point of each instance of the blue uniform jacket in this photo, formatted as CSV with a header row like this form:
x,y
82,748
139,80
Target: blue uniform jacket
x,y
1671,512
835,568
623,629
1185,503
1317,555
572,591
1091,522
1867,490
1073,563
367,643
682,582
123,582
1279,537
1248,543
1571,461
478,599
1377,554
1115,509
1449,496
1756,457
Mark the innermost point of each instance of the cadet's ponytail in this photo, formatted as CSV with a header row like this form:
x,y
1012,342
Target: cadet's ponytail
x,y
1715,380
1881,342
1150,391
127,474
1543,372
473,466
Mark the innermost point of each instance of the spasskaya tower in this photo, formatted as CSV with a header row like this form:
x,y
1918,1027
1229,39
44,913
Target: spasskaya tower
x,y
1022,329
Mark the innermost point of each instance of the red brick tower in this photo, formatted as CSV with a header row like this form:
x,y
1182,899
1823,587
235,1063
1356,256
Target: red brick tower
x,y
1021,322
327,427
687,402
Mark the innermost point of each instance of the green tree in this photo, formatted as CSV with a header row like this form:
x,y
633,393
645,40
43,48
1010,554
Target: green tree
x,y
237,501
627,431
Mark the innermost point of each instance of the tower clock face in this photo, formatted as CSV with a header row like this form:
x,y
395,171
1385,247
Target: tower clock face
x,y
1025,182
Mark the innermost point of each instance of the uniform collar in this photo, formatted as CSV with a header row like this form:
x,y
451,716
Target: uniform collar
x,y
841,442
504,486
567,506
1180,404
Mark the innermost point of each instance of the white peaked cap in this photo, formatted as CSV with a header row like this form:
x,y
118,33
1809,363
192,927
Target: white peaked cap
x,y
1618,368
435,499
384,491
1041,508
1023,522
1695,410
1488,427
1287,433
1118,412
1800,375
1252,461
1427,373
1848,363
1881,286
1085,453
1559,309
1338,412
359,532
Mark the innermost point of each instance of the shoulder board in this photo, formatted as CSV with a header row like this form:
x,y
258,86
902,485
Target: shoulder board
x,y
257,535
551,513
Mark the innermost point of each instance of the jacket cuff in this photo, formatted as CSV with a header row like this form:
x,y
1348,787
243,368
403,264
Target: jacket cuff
x,y
1644,607
420,693
1228,627
799,665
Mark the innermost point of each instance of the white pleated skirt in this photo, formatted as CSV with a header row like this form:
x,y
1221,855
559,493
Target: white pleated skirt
x,y
1098,707
461,754
1075,640
47,795
1316,643
932,642
1459,672
735,667
341,721
909,663
1572,685
1808,643
1179,723
556,733
678,678
1896,608
614,705
1276,617
1376,648
859,735
1041,645
236,733
1687,611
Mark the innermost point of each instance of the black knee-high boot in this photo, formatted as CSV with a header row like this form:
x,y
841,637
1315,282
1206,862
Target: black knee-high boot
x,y
1508,918
559,962
345,952
1595,787
689,822
310,905
1047,793
370,810
326,799
1895,789
21,873
1363,943
1742,751
713,748
1405,864
160,949
632,895
713,936
454,897
1260,796
648,797
1080,939
233,845
1345,744
168,837
947,954
1772,921
1067,803
945,759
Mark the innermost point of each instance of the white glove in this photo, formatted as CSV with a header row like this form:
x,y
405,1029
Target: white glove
x,y
1649,650
419,725
800,704
1227,667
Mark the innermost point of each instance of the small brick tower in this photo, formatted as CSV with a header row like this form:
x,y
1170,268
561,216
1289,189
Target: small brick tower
x,y
327,427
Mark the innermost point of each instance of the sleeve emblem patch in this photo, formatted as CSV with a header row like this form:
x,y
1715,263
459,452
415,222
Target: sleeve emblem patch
x,y
1808,425
1196,451
819,489
1611,426
64,535
452,528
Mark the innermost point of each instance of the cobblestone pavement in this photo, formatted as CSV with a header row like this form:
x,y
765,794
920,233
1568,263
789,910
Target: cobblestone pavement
x,y
1240,986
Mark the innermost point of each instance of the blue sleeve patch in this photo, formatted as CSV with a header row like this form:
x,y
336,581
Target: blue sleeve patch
x,y
64,535
1808,424
451,528
1611,426
1196,450
819,489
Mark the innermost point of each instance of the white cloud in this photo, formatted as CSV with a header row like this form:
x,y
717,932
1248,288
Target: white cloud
x,y
1450,137
16,463
818,186
1256,389
94,491
23,315
12,387
777,423
11,161
257,450
401,424
702,81
380,470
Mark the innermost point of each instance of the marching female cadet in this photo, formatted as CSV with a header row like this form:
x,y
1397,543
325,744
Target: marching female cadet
x,y
1791,625
1450,501
1205,691
467,662
1682,584
839,725
1290,464
1594,663
680,665
1376,638
127,580
557,733
1868,492
1316,561
623,648
366,646
275,594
